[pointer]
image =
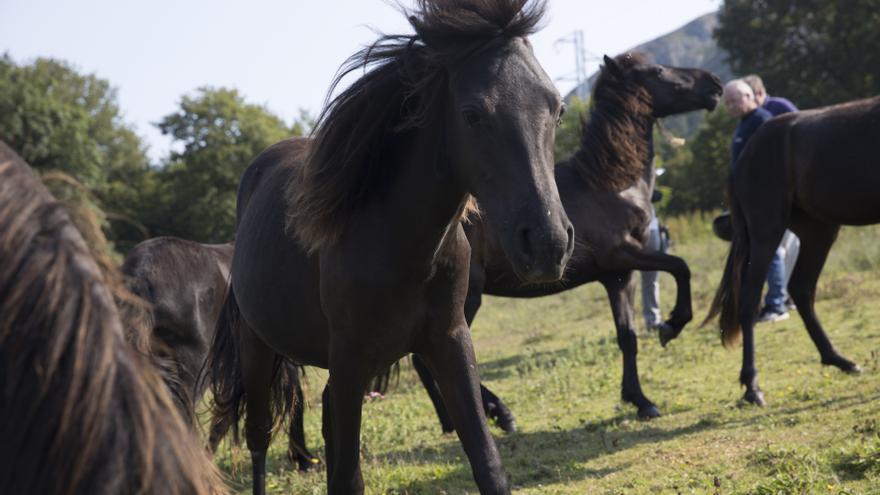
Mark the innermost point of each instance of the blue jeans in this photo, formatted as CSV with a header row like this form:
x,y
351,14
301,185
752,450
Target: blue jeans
x,y
775,298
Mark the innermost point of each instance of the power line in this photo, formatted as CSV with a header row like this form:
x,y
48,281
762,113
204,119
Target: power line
x,y
581,56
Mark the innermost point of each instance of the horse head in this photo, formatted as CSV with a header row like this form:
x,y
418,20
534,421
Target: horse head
x,y
501,120
671,90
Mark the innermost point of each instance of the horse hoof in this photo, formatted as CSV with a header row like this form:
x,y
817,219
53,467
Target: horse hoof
x,y
853,369
502,417
507,424
649,412
666,333
306,465
303,462
755,397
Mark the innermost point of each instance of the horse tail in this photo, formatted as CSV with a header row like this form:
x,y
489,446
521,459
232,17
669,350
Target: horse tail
x,y
224,366
726,300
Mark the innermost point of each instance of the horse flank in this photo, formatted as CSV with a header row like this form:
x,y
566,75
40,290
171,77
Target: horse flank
x,y
400,91
613,147
84,413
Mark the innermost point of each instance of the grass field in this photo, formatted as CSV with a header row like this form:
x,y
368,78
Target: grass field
x,y
555,362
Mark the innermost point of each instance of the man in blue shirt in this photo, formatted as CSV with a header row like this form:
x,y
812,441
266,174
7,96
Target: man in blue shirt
x,y
740,101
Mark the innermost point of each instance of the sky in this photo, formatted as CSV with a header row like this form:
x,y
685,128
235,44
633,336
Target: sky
x,y
281,54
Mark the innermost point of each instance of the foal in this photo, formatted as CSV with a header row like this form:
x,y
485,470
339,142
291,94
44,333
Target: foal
x,y
184,285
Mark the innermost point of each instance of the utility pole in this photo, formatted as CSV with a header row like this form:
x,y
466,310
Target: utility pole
x,y
581,55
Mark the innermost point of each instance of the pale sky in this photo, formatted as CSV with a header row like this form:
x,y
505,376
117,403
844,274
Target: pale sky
x,y
282,54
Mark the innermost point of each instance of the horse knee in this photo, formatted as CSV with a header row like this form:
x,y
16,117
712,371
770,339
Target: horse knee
x,y
682,269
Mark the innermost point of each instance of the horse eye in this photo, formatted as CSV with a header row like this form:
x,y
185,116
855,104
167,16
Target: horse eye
x,y
472,117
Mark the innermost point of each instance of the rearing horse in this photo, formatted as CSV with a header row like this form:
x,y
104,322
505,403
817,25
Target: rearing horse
x,y
349,249
606,189
811,172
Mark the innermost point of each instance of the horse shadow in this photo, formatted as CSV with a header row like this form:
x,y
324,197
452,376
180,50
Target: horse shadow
x,y
589,352
540,458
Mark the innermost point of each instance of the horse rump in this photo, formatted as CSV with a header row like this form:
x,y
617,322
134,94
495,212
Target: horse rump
x,y
223,371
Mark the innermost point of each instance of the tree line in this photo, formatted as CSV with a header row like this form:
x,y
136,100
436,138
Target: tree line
x,y
814,52
59,119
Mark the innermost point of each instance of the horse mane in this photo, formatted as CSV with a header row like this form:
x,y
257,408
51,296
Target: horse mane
x,y
401,90
81,411
613,145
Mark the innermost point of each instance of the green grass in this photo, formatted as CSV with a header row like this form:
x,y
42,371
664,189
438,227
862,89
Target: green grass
x,y
555,362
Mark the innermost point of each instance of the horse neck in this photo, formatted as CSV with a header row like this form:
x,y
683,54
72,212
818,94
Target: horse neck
x,y
621,139
426,201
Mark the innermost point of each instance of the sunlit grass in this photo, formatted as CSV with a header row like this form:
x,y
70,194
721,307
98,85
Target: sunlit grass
x,y
555,362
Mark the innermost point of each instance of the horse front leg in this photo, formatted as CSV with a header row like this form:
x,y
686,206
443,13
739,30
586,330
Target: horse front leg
x,y
621,294
633,258
344,396
451,359
433,393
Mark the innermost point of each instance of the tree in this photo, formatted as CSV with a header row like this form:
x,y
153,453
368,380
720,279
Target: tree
x,y
568,134
220,134
60,119
696,175
814,52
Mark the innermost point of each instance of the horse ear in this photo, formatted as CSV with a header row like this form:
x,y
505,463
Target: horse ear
x,y
613,67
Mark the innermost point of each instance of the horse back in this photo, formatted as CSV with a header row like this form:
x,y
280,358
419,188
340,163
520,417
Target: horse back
x,y
827,160
183,280
288,153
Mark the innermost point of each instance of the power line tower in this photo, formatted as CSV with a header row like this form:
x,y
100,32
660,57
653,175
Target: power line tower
x,y
581,56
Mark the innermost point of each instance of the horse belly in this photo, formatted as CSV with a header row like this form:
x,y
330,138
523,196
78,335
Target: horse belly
x,y
846,193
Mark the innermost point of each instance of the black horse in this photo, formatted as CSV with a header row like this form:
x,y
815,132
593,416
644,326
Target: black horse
x,y
606,189
81,409
349,251
184,285
809,172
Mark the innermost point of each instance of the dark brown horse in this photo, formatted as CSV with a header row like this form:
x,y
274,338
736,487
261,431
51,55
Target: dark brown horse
x,y
809,172
184,284
81,411
606,189
349,250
